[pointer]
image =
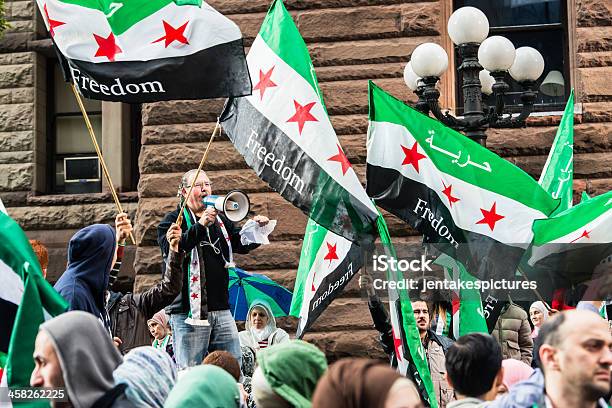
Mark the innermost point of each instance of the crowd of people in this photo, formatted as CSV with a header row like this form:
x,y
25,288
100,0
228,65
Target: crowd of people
x,y
177,344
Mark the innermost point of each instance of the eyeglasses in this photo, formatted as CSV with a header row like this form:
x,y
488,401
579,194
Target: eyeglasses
x,y
202,185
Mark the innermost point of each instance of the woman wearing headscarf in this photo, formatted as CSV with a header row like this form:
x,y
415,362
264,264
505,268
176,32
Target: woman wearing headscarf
x,y
287,374
149,375
538,314
363,383
162,338
260,328
205,386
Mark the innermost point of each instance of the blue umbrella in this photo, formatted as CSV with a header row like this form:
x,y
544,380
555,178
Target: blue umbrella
x,y
244,288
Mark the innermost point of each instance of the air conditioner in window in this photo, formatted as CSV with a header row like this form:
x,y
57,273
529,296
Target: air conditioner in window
x,y
81,169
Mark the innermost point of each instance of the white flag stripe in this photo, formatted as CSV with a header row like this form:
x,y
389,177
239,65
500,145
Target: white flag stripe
x,y
11,289
384,151
207,28
2,207
317,139
598,230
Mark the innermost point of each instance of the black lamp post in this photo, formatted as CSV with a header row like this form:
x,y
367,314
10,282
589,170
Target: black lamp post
x,y
468,28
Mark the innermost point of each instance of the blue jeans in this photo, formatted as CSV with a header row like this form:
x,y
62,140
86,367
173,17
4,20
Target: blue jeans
x,y
192,343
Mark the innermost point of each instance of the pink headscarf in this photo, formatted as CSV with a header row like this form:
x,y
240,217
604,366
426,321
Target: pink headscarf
x,y
515,371
160,318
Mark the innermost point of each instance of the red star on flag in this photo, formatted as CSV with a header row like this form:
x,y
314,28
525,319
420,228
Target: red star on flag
x,y
302,115
397,343
585,234
331,253
194,279
341,158
107,47
264,82
194,295
52,23
448,193
490,217
173,34
412,156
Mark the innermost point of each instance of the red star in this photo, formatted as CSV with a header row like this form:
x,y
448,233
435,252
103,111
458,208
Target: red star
x,y
52,23
447,192
194,279
397,343
341,158
107,47
194,295
264,82
490,217
173,34
302,115
585,234
331,253
412,156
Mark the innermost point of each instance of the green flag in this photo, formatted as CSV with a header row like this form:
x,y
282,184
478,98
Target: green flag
x,y
558,174
469,311
25,299
409,351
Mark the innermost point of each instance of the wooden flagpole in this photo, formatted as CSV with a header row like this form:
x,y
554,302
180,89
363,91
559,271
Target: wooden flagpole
x,y
99,153
179,220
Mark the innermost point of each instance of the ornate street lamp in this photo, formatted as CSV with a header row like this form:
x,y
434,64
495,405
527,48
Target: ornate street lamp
x,y
485,63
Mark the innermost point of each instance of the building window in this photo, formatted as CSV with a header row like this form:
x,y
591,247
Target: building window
x,y
73,166
541,24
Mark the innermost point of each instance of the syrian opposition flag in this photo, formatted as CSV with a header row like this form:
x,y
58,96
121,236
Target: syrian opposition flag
x,y
409,351
285,135
467,201
558,174
570,246
25,296
467,302
134,51
327,263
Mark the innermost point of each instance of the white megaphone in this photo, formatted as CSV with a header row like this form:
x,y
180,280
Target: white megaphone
x,y
235,204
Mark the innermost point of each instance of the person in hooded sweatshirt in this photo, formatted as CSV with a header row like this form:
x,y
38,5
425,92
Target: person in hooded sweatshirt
x,y
91,255
75,352
260,328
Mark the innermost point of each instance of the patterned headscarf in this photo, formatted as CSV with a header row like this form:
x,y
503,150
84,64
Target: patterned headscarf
x,y
149,374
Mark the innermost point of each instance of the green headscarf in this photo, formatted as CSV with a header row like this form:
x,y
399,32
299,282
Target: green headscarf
x,y
204,386
293,369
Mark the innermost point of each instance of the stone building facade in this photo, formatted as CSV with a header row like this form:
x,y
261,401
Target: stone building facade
x,y
350,41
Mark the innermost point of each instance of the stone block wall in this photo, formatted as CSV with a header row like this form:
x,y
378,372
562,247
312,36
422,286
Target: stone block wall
x,y
350,42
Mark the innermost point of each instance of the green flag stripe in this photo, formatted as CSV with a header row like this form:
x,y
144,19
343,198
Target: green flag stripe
x,y
506,179
127,15
278,31
572,219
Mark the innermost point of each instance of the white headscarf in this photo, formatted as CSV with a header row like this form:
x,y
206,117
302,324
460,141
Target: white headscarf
x,y
539,306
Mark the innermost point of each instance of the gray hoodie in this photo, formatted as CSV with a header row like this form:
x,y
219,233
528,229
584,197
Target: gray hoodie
x,y
86,354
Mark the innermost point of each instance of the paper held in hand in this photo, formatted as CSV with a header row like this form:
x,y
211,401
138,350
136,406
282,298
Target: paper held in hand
x,y
253,233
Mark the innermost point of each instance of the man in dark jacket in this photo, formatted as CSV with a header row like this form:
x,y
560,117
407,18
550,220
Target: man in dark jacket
x,y
200,317
130,312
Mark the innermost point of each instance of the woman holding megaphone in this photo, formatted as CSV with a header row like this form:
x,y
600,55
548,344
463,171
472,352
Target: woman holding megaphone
x,y
200,316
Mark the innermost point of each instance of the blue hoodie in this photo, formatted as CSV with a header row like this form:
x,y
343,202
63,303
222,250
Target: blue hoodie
x,y
90,257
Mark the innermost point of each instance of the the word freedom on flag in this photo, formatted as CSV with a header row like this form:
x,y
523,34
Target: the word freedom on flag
x,y
472,204
285,135
135,51
327,263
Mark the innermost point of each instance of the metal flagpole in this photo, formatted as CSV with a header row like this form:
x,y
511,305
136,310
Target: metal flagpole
x,y
99,153
179,220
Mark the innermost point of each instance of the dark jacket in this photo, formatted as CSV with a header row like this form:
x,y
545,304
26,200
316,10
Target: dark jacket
x,y
212,264
90,256
129,313
513,333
